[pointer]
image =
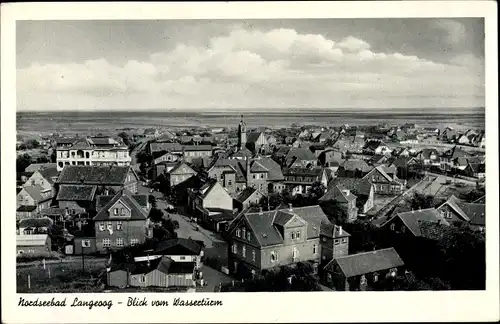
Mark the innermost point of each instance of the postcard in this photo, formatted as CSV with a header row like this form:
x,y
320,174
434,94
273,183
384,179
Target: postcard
x,y
250,162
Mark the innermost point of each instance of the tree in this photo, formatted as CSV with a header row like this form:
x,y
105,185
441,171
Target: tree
x,y
421,201
473,195
22,162
335,211
316,191
42,159
152,201
56,234
126,138
156,215
53,157
144,157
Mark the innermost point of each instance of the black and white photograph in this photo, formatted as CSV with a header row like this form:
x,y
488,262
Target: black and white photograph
x,y
183,157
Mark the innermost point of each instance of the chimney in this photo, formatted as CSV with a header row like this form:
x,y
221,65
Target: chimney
x,y
260,210
290,207
346,192
340,230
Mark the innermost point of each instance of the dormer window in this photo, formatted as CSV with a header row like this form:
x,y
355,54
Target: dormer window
x,y
253,255
298,235
249,236
244,251
336,241
238,232
115,211
119,226
244,233
315,248
274,257
101,226
122,211
293,235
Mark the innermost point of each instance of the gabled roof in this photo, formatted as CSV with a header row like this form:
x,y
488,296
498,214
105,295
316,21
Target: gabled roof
x,y
243,153
94,175
380,170
402,161
245,194
367,262
26,208
76,192
337,193
178,165
412,218
426,153
274,170
253,137
49,172
299,154
256,166
136,211
333,231
352,165
373,145
38,193
266,233
455,204
360,187
481,200
178,246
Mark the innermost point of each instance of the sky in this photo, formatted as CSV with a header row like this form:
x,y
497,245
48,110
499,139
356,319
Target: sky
x,y
250,64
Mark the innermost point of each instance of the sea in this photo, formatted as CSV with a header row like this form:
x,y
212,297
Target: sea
x,y
109,122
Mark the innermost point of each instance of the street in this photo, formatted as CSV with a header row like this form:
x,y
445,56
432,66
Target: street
x,y
215,246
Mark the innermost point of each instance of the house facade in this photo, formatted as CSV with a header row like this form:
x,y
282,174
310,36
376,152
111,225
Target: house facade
x,y
102,151
275,238
385,184
180,173
121,222
33,244
300,180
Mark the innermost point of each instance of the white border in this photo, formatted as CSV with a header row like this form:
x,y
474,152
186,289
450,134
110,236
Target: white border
x,y
258,307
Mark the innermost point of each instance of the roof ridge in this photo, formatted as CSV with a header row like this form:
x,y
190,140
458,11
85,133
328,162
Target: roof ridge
x,y
365,252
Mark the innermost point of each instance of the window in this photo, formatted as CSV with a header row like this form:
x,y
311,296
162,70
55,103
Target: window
x,y
324,239
142,279
344,240
106,242
329,277
122,211
244,233
254,176
244,252
362,281
293,235
253,255
119,242
115,211
235,248
403,229
274,258
375,277
182,258
229,182
336,242
294,254
249,236
298,235
134,241
315,249
238,232
393,227
101,226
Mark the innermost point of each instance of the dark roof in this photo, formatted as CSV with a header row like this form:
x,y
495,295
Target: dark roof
x,y
142,200
299,154
481,200
372,145
338,193
26,208
412,218
37,166
36,222
367,262
352,165
333,231
264,228
312,172
197,147
245,194
478,167
253,137
170,147
178,246
76,192
360,187
137,213
98,175
49,172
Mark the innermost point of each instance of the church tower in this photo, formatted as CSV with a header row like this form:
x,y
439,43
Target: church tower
x,y
242,134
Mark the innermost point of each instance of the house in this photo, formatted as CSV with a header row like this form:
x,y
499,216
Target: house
x,y
409,139
93,151
188,152
448,135
33,244
447,158
257,142
455,210
264,240
77,199
299,180
480,140
32,199
166,136
107,177
179,173
411,222
167,157
249,196
428,157
330,158
212,204
349,144
343,199
377,159
161,272
122,221
406,166
235,175
334,243
44,175
191,152
361,188
33,226
385,183
354,168
376,147
476,170
358,272
177,249
151,133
